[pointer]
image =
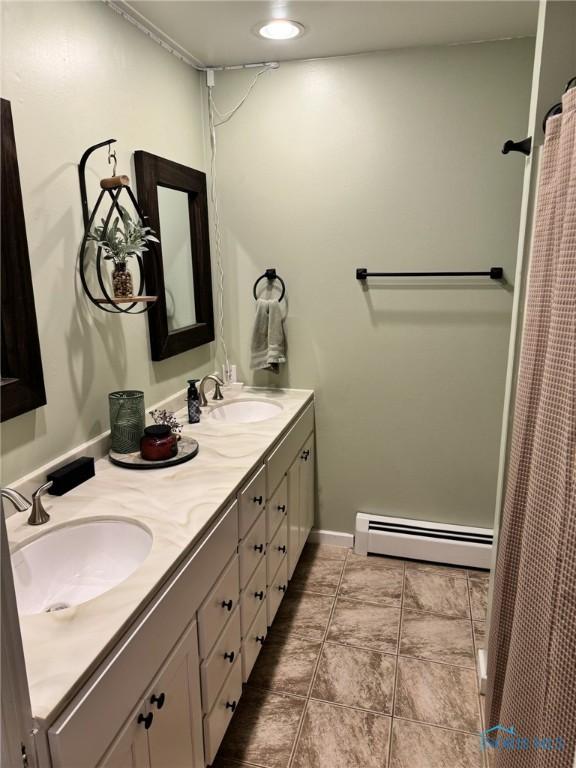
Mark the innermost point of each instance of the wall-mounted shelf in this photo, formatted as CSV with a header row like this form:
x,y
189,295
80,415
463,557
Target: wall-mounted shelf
x,y
129,300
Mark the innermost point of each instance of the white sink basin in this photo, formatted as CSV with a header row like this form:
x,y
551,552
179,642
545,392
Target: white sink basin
x,y
70,565
245,411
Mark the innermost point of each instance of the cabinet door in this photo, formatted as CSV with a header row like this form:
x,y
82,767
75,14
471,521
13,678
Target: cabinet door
x,y
175,734
130,749
294,515
307,495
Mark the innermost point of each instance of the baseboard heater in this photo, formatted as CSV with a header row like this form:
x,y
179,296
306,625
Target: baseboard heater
x,y
422,540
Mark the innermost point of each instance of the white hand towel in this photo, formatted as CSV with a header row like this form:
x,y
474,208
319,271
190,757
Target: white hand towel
x,y
268,345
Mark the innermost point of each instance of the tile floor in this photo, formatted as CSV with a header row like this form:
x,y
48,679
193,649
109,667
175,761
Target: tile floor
x,y
369,664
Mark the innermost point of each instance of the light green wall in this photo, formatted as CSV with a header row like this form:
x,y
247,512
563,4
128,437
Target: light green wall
x,y
390,161
76,74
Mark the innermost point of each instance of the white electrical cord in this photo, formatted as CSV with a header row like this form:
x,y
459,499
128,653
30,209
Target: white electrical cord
x,y
224,117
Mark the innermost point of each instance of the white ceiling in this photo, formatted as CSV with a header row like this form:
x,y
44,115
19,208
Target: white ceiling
x,y
220,32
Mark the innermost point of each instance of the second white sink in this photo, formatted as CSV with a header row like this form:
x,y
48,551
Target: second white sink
x,y
75,563
245,411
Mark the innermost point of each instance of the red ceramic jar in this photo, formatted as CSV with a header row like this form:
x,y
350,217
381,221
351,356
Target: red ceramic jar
x,y
158,443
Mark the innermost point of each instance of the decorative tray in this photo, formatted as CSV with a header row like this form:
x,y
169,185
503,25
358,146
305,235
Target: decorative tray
x,y
187,449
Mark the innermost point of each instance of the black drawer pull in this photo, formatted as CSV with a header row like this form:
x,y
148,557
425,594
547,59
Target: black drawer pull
x,y
305,455
281,507
146,719
259,595
258,500
260,639
282,588
158,700
227,604
282,548
230,656
231,705
259,547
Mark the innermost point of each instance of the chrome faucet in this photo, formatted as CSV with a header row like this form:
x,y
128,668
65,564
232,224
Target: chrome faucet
x,y
217,391
38,516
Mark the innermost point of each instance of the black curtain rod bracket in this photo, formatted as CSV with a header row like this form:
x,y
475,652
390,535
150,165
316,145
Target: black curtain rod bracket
x,y
524,146
495,273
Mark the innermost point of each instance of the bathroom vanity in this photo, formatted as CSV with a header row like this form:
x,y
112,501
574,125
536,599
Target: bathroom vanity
x,y
150,672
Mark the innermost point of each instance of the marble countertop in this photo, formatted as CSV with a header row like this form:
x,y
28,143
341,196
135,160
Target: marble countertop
x,y
176,504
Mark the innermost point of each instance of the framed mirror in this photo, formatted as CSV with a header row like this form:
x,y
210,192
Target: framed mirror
x,y
21,375
173,199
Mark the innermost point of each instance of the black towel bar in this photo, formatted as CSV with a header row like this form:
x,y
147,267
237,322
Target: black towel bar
x,y
495,273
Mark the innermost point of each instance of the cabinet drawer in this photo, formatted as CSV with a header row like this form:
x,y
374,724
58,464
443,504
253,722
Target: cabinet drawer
x,y
216,723
125,675
282,457
277,549
253,597
252,500
252,549
217,607
253,641
276,590
217,666
276,509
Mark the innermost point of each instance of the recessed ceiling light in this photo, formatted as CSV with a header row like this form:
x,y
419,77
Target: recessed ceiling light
x,y
280,29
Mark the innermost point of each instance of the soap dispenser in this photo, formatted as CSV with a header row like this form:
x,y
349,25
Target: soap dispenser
x,y
193,399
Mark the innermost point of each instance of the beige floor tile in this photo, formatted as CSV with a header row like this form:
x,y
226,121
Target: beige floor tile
x,y
363,580
437,638
368,625
318,575
446,570
304,614
376,561
479,633
436,593
437,694
476,575
355,677
478,599
422,746
337,737
286,664
323,552
263,729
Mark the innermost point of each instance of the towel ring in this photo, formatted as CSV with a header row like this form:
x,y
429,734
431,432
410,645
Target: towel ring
x,y
270,275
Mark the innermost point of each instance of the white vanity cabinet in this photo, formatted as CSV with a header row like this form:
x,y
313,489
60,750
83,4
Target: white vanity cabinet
x,y
165,695
162,732
291,472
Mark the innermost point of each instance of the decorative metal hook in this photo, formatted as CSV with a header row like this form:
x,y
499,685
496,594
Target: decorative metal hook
x,y
112,158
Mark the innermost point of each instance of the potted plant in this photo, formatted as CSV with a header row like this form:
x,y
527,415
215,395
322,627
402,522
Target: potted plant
x,y
120,242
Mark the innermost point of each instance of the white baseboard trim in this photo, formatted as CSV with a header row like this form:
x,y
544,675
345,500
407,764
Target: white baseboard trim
x,y
482,668
335,538
97,448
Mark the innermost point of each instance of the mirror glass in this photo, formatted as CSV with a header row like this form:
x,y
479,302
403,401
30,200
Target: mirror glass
x,y
177,255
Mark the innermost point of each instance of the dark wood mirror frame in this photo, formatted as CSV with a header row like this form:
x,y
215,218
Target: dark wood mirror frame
x,y
22,382
152,171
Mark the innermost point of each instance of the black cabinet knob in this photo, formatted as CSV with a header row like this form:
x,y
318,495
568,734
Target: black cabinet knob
x,y
231,705
158,700
305,455
282,548
259,595
230,656
227,604
146,719
260,639
282,588
259,547
281,507
258,500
